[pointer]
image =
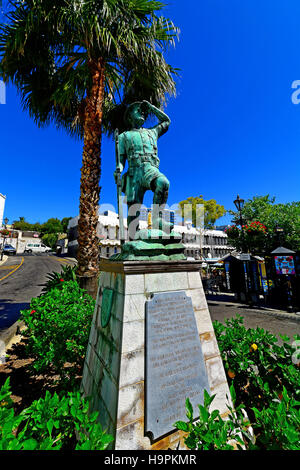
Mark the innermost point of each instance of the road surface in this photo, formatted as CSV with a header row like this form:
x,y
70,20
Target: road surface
x,y
283,324
21,278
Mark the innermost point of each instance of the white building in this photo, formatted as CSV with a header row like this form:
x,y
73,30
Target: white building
x,y
2,204
19,239
199,244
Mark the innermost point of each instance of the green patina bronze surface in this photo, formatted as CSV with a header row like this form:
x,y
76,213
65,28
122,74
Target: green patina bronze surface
x,y
138,146
152,245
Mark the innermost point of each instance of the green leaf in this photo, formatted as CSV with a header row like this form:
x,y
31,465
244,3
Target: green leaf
x,y
232,393
30,444
203,413
181,425
50,425
189,409
215,414
208,399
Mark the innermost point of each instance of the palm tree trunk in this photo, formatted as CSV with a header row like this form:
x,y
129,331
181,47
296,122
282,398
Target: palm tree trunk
x,y
88,243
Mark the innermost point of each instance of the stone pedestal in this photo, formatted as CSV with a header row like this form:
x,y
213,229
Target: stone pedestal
x,y
114,371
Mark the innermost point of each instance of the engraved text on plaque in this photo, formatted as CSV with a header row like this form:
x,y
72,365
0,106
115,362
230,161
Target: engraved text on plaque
x,y
175,368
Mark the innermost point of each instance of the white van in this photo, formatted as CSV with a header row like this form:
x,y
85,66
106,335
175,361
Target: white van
x,y
36,247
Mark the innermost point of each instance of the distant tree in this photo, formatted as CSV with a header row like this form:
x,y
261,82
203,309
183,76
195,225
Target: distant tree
x,y
22,225
263,209
53,225
37,227
64,222
50,240
212,210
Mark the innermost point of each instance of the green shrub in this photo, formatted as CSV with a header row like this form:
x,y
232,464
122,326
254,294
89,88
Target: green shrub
x,y
58,325
50,423
264,386
278,426
56,279
210,431
256,365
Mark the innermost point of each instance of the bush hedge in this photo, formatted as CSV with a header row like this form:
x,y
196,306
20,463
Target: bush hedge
x,y
50,423
58,325
264,382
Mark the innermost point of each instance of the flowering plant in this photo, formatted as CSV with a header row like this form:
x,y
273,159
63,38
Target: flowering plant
x,y
255,228
4,233
233,231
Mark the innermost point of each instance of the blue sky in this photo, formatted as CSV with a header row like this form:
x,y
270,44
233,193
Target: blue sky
x,y
234,127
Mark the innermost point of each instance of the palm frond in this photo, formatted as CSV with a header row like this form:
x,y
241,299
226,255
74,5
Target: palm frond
x,y
46,49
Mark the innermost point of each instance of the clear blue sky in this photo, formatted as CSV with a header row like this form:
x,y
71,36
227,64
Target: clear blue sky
x,y
234,127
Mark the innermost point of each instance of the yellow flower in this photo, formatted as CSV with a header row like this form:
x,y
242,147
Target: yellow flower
x,y
253,347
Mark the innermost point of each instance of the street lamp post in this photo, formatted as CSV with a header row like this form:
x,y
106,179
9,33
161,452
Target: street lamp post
x,y
239,204
279,233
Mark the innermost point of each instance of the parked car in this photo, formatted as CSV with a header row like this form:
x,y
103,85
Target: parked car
x,y
37,248
9,250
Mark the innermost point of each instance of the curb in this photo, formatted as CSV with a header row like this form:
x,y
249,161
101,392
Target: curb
x,y
74,260
283,315
271,312
5,257
7,334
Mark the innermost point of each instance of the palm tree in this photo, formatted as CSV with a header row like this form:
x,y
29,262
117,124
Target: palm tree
x,y
77,63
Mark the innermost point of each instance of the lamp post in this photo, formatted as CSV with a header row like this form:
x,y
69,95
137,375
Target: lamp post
x,y
279,232
239,204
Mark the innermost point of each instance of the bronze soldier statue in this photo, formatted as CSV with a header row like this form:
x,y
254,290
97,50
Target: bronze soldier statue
x,y
139,147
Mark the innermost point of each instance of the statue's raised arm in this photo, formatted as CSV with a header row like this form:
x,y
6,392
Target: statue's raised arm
x,y
164,120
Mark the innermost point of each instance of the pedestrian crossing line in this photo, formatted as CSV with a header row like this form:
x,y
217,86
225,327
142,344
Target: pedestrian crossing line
x,y
11,272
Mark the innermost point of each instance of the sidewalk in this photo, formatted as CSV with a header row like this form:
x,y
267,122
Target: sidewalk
x,y
4,259
11,334
228,299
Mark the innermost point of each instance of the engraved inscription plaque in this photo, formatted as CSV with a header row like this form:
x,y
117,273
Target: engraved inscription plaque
x,y
175,368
